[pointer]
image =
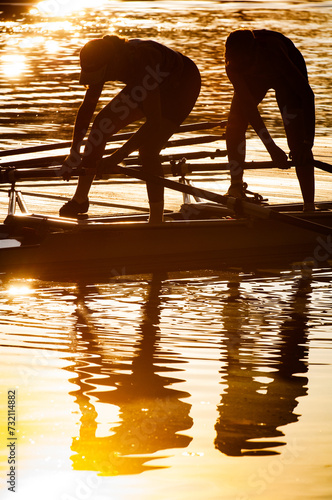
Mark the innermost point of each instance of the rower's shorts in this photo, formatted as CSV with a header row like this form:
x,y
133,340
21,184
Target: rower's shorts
x,y
179,96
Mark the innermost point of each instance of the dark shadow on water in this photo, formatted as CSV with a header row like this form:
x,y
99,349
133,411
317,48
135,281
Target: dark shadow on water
x,y
15,8
252,410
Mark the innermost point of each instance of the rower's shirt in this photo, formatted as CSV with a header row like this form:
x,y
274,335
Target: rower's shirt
x,y
268,73
273,42
153,64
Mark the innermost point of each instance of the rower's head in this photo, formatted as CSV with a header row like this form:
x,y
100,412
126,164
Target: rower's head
x,y
240,49
98,57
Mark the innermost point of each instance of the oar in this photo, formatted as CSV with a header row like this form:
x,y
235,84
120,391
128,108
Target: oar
x,y
10,174
248,165
186,167
53,161
190,155
206,167
190,127
323,166
235,204
215,166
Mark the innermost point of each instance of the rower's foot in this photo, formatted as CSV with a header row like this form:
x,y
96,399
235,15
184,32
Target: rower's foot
x,y
72,208
308,207
156,212
240,190
237,190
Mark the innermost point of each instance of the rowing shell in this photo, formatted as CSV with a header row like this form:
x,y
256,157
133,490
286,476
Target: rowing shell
x,y
199,236
37,245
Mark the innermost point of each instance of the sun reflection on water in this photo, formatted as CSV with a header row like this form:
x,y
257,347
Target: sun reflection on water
x,y
29,42
13,65
65,7
52,46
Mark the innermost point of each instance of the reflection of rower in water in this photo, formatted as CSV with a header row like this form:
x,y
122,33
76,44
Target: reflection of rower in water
x,y
151,414
251,411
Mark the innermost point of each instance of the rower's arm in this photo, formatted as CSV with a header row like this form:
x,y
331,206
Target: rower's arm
x,y
256,121
84,116
249,106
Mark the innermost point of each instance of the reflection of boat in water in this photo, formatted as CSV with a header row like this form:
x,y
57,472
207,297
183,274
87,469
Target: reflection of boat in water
x,y
151,414
261,397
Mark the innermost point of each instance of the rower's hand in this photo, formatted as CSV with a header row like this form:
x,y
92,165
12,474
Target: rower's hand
x,y
278,156
72,160
107,167
65,172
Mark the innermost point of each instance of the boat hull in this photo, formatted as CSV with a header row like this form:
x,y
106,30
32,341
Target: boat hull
x,y
114,248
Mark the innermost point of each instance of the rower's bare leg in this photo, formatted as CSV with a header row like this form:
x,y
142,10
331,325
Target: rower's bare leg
x,y
306,178
107,123
236,146
294,120
83,187
149,155
151,164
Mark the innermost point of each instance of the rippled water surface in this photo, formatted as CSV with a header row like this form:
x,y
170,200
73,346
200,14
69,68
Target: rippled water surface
x,y
39,56
206,385
197,386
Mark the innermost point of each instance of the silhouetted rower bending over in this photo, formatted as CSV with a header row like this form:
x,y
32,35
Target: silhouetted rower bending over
x,y
161,85
257,61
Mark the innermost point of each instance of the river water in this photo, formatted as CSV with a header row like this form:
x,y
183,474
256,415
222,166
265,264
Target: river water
x,y
194,385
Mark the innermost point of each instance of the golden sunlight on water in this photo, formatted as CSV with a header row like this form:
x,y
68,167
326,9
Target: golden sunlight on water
x,y
13,65
49,45
212,384
65,7
126,385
